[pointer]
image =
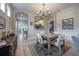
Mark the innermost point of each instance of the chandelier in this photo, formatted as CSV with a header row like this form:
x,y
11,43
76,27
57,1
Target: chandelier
x,y
43,12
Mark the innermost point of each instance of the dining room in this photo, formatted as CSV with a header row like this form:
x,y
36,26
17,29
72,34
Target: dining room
x,y
48,30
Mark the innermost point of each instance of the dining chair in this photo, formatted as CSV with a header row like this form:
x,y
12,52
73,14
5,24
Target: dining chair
x,y
43,46
58,42
45,40
43,37
39,39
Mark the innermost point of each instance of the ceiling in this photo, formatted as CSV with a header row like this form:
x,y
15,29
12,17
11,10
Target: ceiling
x,y
34,7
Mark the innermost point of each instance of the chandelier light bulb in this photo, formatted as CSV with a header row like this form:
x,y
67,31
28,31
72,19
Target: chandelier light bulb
x,y
37,13
40,9
48,9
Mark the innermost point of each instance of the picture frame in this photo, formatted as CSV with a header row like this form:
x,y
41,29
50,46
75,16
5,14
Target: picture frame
x,y
2,22
68,23
64,24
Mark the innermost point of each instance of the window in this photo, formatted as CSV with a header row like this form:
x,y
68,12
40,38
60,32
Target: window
x,y
8,11
2,7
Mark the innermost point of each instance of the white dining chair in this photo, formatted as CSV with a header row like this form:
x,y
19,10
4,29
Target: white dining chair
x,y
58,42
39,39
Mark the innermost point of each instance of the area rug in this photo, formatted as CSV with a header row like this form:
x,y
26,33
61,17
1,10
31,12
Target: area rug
x,y
35,51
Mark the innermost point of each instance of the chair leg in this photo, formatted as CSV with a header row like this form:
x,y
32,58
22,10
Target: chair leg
x,y
37,40
59,50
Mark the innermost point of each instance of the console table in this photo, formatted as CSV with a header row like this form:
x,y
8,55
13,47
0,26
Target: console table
x,y
9,48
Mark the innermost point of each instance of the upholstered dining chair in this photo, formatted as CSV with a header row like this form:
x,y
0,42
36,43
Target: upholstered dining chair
x,y
45,40
42,45
58,42
41,39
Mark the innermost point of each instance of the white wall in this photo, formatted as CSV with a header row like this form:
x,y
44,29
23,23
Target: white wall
x,y
77,18
64,14
30,28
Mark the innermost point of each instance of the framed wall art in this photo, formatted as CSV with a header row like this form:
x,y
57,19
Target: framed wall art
x,y
68,23
2,23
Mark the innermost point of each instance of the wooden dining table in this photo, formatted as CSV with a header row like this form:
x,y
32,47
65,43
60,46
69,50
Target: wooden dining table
x,y
50,37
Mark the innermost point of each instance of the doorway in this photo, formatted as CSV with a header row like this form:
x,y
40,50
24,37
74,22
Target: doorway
x,y
22,27
51,26
22,23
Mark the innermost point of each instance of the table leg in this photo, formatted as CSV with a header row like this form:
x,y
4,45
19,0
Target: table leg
x,y
49,48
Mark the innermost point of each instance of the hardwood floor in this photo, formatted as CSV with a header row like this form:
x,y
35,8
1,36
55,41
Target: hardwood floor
x,y
22,42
